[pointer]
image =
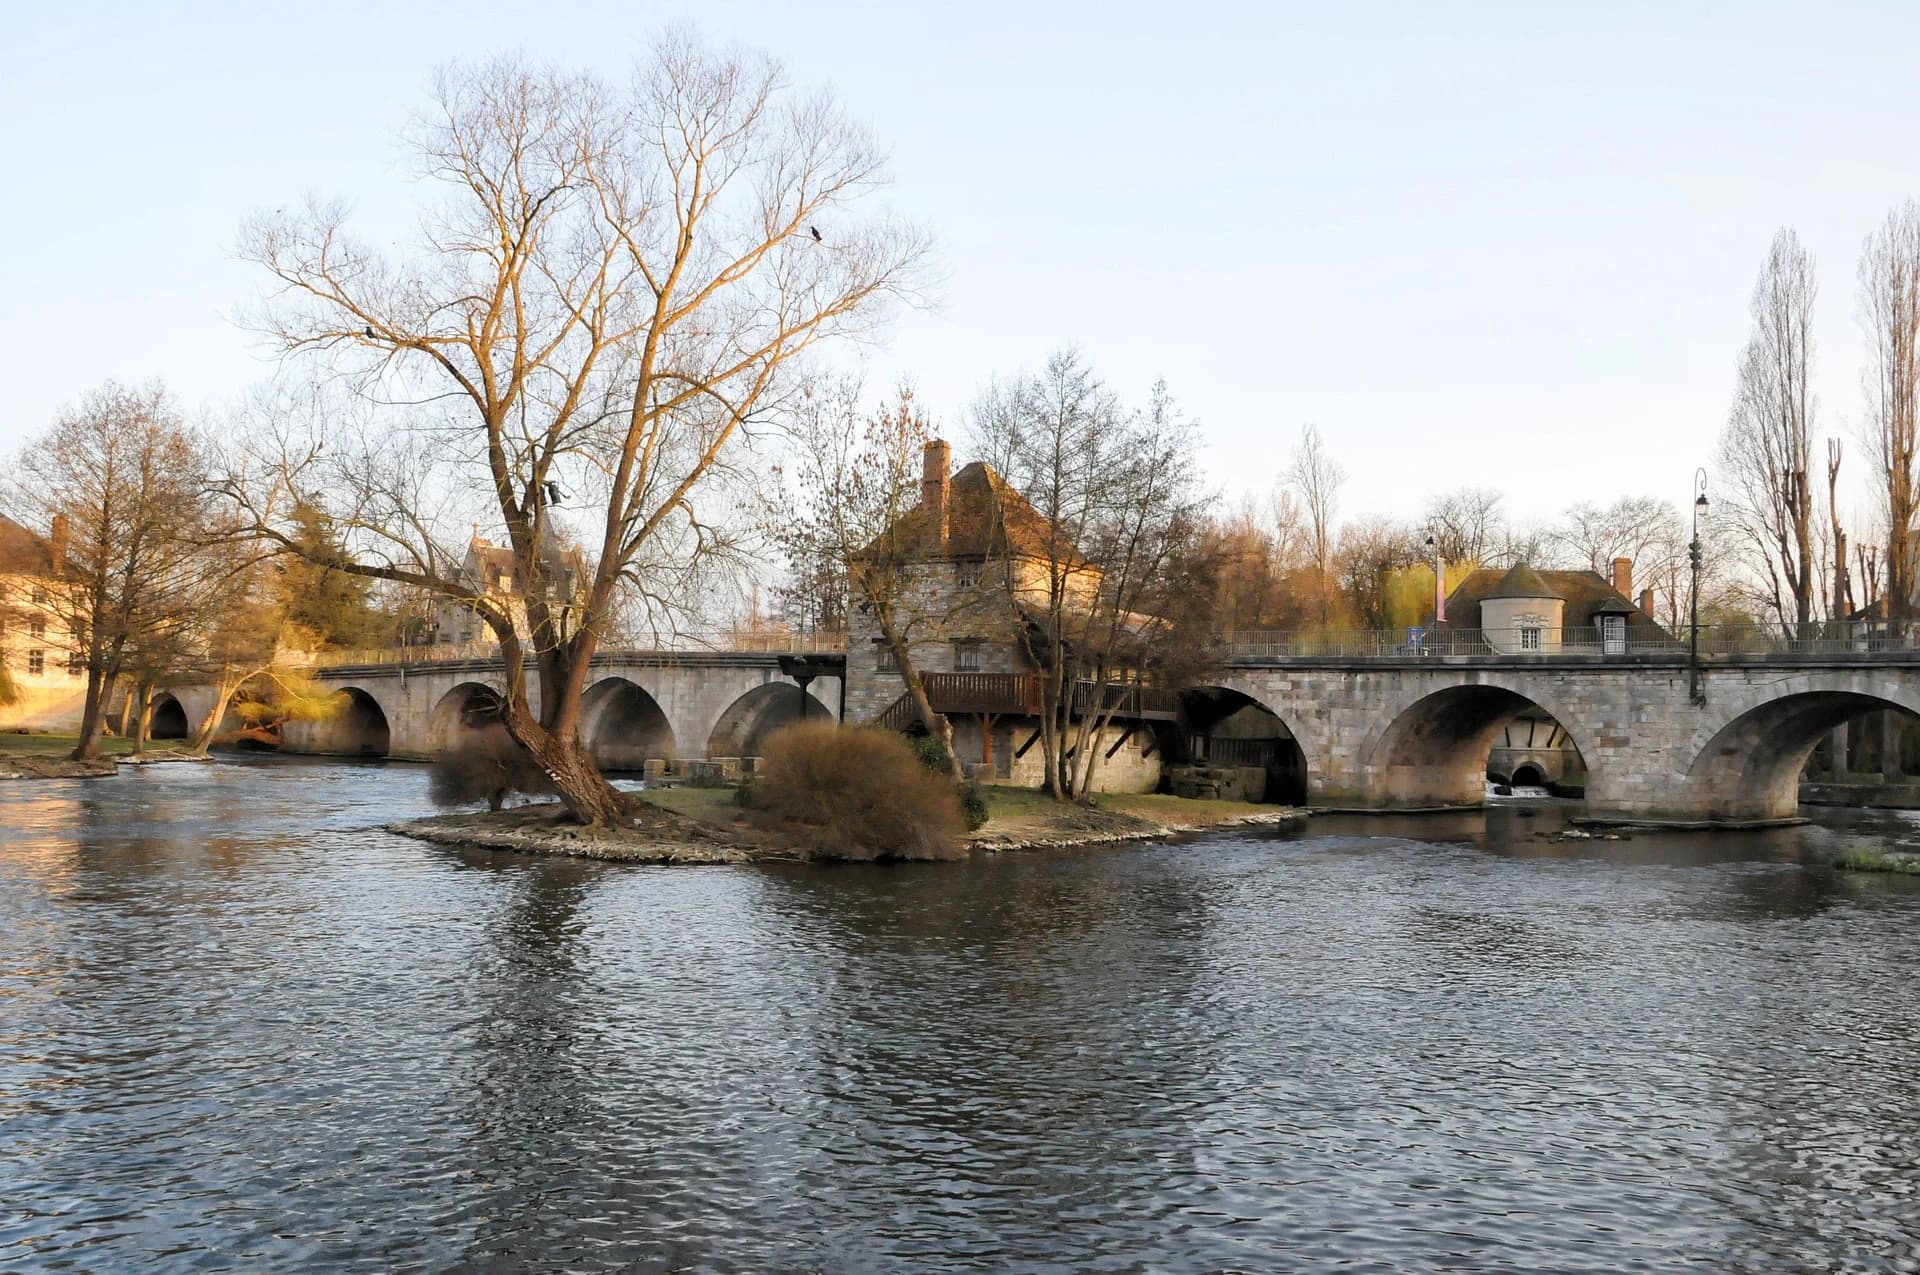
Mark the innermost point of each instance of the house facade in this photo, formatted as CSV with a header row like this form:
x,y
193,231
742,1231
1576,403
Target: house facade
x,y
489,568
976,572
42,660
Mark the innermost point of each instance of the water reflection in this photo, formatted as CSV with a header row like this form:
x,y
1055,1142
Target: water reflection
x,y
236,1025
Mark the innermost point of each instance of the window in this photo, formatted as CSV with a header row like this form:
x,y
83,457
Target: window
x,y
76,664
1530,637
36,663
40,595
966,657
885,662
37,628
966,574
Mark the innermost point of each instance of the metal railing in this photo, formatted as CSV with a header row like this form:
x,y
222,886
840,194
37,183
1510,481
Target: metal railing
x,y
1717,642
444,652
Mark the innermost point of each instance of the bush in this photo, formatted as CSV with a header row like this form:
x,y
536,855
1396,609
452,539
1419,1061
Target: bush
x,y
973,805
486,765
856,793
932,753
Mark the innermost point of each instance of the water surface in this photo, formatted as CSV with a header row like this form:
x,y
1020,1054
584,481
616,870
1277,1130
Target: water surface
x,y
239,1029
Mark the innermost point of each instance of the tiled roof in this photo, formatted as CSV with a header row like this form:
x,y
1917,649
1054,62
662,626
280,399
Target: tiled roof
x,y
1586,594
1522,582
21,551
985,516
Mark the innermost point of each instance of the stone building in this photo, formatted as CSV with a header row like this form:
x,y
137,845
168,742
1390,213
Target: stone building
x,y
979,565
489,568
40,656
1523,611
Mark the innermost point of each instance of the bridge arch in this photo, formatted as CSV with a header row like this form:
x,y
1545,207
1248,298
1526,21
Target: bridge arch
x,y
360,729
169,720
1228,726
1430,747
1745,763
467,707
743,727
623,725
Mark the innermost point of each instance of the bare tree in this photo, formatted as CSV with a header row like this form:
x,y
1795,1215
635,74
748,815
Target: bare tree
x,y
853,480
1053,436
611,290
120,485
1766,451
1099,585
1132,629
1467,526
1890,313
1842,604
1315,477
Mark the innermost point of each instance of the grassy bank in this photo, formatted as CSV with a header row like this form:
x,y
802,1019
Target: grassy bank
x,y
60,745
1021,816
1864,859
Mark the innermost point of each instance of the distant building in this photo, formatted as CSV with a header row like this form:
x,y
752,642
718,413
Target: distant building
x,y
39,653
489,568
978,580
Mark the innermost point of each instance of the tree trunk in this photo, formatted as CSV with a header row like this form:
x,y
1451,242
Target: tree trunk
x,y
204,732
142,717
586,793
936,724
88,747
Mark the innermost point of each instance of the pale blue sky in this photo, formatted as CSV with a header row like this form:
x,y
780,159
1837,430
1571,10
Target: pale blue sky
x,y
1503,244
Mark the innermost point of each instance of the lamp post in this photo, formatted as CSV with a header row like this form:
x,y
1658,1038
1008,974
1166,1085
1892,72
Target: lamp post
x,y
1695,693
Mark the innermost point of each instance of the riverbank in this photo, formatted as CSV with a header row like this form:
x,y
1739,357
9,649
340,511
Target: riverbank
x,y
700,825
45,757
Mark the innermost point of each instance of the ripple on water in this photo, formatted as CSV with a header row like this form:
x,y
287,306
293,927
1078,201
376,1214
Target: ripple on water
x,y
237,1029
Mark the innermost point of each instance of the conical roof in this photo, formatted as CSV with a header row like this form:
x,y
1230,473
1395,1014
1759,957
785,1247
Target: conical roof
x,y
1523,582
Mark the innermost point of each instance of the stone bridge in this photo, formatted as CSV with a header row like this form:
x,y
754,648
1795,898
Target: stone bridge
x,y
1412,732
1372,731
638,705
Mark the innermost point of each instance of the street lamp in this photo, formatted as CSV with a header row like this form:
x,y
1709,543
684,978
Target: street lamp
x,y
1695,692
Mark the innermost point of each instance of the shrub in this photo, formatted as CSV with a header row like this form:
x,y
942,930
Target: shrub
x,y
932,753
973,805
486,765
857,793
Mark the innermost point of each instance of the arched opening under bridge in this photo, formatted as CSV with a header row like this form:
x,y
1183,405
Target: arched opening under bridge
x,y
1220,730
467,708
1437,750
744,727
1751,767
623,726
169,720
358,729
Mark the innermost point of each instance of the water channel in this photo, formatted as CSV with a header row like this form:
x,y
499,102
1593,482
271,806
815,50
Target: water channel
x,y
240,1030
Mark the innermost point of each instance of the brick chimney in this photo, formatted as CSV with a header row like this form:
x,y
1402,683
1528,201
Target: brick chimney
x,y
936,468
59,540
1623,577
1646,603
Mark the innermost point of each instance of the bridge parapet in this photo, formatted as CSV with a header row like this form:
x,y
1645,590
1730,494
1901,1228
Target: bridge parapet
x,y
1530,645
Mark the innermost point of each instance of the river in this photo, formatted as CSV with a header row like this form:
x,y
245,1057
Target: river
x,y
239,1029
